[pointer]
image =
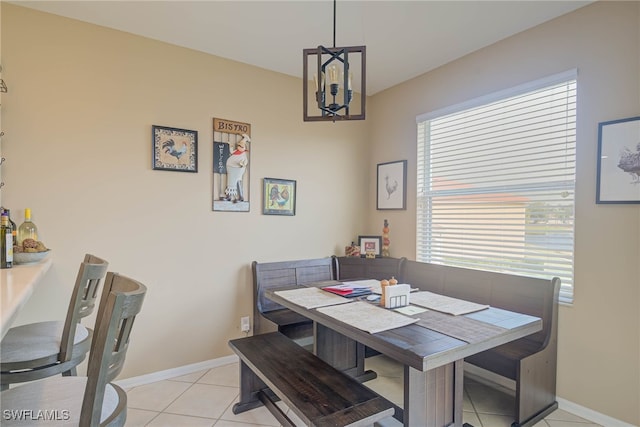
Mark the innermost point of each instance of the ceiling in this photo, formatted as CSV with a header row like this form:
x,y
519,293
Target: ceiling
x,y
404,38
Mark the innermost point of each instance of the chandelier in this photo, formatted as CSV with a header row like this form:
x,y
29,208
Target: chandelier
x,y
333,82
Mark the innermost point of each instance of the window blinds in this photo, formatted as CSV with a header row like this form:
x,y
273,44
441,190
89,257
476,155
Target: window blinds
x,y
496,182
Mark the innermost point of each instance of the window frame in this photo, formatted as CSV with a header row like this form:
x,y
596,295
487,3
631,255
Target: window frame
x,y
567,290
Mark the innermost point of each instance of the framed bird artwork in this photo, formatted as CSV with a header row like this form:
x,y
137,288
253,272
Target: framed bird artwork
x,y
174,149
279,196
619,161
392,184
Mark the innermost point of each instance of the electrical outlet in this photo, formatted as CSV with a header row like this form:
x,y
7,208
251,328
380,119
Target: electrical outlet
x,y
244,324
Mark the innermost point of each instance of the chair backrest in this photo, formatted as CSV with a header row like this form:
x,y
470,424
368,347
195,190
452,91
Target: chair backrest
x,y
284,274
529,295
120,302
83,299
364,268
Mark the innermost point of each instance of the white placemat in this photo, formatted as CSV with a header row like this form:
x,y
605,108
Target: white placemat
x,y
311,297
367,317
445,304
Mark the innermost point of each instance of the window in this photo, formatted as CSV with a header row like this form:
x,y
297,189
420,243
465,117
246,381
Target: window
x,y
496,182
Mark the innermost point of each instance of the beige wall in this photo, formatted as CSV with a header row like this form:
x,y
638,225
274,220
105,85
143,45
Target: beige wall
x,y
599,336
78,115
79,111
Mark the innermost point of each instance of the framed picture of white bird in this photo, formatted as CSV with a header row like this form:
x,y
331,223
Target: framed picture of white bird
x,y
174,149
392,184
619,161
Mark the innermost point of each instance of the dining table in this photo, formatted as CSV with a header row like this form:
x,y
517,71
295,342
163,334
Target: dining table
x,y
428,341
16,286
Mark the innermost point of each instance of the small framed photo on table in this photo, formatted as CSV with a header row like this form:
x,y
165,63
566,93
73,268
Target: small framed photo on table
x,y
174,149
619,161
370,246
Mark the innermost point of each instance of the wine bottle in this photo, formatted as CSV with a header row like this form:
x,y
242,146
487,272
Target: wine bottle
x,y
14,227
6,242
27,229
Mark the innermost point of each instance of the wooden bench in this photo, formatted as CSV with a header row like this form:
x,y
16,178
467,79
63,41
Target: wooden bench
x,y
273,367
269,316
530,362
363,268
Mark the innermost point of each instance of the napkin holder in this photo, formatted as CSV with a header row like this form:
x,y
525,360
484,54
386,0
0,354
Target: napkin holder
x,y
396,296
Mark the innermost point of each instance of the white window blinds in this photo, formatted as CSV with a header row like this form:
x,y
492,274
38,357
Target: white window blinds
x,y
496,180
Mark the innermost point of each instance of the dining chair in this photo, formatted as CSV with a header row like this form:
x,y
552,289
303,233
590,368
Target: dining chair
x,y
92,400
43,349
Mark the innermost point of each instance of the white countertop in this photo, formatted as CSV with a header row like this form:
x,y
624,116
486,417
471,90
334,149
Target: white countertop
x,y
17,285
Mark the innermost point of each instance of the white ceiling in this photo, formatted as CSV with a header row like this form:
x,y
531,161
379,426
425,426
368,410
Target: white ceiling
x,y
404,38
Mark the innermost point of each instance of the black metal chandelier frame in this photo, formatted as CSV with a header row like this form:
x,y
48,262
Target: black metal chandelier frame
x,y
333,110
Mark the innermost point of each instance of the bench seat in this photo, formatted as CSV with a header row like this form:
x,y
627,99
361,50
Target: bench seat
x,y
504,359
269,316
531,362
292,324
273,367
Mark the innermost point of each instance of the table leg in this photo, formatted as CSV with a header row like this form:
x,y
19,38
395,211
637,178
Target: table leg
x,y
434,398
341,352
458,392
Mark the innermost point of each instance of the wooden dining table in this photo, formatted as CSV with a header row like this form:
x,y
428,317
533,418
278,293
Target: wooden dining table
x,y
432,351
16,286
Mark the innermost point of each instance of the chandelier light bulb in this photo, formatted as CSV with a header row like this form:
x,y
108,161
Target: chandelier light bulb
x,y
333,75
319,86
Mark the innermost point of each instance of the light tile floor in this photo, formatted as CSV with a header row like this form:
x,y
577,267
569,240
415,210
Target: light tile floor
x,y
205,399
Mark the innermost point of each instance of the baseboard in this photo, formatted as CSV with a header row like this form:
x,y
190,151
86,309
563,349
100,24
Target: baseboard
x,y
508,386
591,415
175,372
479,374
490,378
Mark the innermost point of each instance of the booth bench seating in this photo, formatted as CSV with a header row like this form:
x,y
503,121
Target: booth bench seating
x,y
269,316
529,362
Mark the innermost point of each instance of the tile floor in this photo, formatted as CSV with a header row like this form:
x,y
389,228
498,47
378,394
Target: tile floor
x,y
205,399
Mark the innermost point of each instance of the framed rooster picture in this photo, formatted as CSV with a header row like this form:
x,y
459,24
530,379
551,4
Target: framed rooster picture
x,y
279,196
619,161
392,184
175,149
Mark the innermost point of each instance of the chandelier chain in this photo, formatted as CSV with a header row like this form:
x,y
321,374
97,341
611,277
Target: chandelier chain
x,y
334,24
